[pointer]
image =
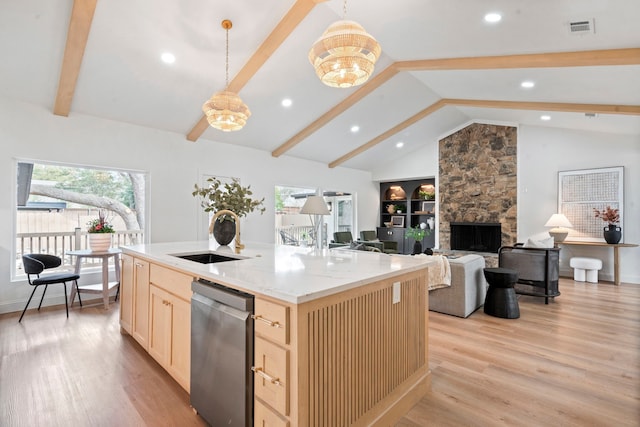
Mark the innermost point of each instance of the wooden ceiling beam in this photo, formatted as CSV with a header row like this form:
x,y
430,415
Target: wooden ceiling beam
x,y
394,130
538,60
633,110
285,27
77,36
588,58
479,103
347,103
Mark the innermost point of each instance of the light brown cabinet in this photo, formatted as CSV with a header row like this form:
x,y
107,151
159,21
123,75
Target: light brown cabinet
x,y
134,298
126,293
170,322
272,363
155,309
265,417
140,328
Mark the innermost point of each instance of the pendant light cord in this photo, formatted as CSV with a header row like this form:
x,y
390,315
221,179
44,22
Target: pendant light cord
x,y
344,10
227,61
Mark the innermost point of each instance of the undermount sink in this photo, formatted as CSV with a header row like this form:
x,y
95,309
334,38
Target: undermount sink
x,y
206,258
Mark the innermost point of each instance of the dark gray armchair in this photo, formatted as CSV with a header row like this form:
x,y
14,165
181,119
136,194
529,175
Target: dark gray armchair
x,y
341,238
538,269
370,238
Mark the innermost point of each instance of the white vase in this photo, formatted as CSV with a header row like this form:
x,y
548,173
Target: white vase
x,y
99,242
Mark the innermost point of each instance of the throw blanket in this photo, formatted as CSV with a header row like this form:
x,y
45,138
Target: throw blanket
x,y
439,272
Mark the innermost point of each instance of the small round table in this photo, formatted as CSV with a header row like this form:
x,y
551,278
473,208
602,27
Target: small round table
x,y
501,298
101,288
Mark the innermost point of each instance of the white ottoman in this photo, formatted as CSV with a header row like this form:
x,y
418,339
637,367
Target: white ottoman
x,y
585,268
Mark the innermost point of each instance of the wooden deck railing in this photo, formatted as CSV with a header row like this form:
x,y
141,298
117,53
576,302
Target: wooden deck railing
x,y
302,233
59,243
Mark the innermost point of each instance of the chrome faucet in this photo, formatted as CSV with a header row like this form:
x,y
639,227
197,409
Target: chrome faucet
x,y
238,244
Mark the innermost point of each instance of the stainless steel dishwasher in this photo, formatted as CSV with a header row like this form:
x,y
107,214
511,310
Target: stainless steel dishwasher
x,y
221,354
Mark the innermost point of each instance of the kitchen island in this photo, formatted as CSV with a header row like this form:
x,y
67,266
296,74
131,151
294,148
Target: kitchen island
x,y
340,335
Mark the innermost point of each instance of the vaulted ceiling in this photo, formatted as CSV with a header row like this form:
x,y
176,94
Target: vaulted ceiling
x,y
442,66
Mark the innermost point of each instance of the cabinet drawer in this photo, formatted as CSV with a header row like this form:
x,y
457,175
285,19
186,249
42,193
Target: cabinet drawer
x,y
271,375
172,281
272,321
264,416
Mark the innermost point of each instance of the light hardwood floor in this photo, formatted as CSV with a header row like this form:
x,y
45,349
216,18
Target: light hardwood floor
x,y
574,362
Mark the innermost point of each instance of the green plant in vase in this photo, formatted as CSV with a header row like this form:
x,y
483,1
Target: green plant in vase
x,y
417,233
232,196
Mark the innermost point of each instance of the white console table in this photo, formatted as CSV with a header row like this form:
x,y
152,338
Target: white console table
x,y
615,246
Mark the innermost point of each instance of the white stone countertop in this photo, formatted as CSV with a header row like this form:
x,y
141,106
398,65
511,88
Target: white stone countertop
x,y
288,273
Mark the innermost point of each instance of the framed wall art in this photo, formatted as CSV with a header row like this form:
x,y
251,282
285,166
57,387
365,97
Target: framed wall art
x,y
426,206
582,191
397,221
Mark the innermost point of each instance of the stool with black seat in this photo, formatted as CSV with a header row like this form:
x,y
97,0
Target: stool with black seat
x,y
501,300
34,264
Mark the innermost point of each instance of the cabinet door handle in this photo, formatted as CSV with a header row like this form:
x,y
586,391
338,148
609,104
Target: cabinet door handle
x,y
138,265
267,321
266,376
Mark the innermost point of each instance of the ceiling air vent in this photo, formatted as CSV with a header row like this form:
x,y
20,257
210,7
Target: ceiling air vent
x,y
582,27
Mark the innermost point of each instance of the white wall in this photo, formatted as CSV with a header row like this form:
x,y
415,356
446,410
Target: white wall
x,y
542,153
173,164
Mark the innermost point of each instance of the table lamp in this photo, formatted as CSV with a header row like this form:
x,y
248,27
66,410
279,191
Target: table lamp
x,y
558,221
314,206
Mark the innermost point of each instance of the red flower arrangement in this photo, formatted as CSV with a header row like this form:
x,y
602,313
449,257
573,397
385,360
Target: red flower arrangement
x,y
612,216
100,225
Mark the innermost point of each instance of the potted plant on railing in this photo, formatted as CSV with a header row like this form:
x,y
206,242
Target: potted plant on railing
x,y
100,232
417,233
612,233
218,196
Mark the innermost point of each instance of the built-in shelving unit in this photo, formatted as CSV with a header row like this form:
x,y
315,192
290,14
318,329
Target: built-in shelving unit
x,y
413,203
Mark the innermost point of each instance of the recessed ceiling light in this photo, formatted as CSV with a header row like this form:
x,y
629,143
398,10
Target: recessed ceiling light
x,y
355,128
399,144
527,84
545,117
168,58
493,17
287,102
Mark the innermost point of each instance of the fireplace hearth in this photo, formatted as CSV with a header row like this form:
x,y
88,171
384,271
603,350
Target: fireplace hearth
x,y
476,237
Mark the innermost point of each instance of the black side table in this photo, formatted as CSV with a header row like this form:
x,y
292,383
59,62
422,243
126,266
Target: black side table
x,y
501,298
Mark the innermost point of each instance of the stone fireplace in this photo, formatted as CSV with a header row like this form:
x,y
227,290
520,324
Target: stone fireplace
x,y
478,182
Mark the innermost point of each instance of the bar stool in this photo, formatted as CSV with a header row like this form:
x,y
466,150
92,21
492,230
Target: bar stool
x,y
501,300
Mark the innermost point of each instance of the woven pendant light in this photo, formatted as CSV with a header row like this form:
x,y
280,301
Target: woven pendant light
x,y
345,54
225,110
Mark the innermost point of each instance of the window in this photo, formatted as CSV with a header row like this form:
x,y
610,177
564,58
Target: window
x,y
54,202
293,228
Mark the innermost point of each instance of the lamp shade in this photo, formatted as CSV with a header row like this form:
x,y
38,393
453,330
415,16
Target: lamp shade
x,y
558,220
345,55
315,205
226,111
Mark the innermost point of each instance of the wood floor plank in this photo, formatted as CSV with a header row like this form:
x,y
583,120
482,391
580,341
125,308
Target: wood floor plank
x,y
573,362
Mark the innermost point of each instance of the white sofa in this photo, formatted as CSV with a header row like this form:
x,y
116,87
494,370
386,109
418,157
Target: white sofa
x,y
467,291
